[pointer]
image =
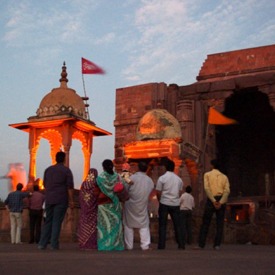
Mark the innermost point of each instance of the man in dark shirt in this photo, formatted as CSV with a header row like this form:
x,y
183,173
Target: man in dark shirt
x,y
36,214
14,203
59,186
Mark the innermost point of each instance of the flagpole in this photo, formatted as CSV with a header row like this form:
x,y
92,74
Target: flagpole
x,y
85,99
88,67
206,139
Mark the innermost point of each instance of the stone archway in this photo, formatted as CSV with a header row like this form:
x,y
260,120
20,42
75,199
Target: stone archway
x,y
247,149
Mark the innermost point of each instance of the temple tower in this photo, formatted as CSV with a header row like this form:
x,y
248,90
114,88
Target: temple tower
x,y
238,84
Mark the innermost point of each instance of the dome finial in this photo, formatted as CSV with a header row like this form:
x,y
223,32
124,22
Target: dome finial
x,y
64,74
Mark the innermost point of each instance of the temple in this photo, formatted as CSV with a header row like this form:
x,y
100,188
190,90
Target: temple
x,y
155,120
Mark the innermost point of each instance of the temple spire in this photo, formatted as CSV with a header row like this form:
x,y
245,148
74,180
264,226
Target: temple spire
x,y
63,80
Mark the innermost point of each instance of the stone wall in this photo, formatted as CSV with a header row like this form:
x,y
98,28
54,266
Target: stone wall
x,y
68,233
226,81
262,232
238,62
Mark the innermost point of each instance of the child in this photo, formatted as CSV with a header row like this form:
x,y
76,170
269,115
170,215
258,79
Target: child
x,y
126,174
186,206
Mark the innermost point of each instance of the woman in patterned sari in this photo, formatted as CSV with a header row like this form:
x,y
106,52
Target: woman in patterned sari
x,y
109,222
87,227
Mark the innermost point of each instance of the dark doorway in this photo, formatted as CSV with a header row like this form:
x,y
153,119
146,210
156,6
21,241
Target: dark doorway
x,y
247,149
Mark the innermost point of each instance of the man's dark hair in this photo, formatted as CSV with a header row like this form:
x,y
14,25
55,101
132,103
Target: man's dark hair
x,y
19,186
188,189
142,166
35,188
215,163
108,166
169,165
60,157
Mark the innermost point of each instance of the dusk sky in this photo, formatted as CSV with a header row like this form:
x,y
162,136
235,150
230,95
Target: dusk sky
x,y
134,41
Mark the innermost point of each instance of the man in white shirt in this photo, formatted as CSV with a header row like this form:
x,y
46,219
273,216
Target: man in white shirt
x,y
169,188
135,214
187,204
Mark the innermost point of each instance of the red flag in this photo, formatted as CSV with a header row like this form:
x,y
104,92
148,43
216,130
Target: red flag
x,y
215,117
89,67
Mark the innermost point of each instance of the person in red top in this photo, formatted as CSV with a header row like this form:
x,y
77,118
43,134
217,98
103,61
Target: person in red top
x,y
36,214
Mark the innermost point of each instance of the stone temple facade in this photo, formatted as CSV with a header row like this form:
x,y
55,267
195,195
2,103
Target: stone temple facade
x,y
155,120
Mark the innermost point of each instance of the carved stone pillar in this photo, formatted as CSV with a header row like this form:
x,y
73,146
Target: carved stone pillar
x,y
178,163
32,164
33,151
67,141
271,97
87,157
185,116
67,152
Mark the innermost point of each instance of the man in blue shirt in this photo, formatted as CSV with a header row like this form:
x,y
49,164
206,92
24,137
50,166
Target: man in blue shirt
x,y
14,203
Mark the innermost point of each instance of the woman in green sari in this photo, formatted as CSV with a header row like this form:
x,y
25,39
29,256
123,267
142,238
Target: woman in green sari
x,y
109,221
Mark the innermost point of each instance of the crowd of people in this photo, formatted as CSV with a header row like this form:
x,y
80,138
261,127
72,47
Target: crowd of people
x,y
113,206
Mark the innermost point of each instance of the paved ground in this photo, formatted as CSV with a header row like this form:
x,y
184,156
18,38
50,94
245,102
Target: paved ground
x,y
231,259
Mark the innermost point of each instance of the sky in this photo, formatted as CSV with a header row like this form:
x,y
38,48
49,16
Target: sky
x,y
134,41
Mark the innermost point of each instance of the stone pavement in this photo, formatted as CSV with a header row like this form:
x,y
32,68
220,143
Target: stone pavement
x,y
231,259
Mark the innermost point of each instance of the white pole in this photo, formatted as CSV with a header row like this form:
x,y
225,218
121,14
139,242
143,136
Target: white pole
x,y
85,98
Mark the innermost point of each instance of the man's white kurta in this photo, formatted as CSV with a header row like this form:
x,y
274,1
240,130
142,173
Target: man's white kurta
x,y
136,208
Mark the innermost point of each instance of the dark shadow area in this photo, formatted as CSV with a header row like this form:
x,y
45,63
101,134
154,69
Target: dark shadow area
x,y
247,149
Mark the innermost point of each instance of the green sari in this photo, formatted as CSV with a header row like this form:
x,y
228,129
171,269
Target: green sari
x,y
109,220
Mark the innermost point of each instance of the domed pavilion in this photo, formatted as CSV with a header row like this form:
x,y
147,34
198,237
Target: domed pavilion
x,y
61,117
158,136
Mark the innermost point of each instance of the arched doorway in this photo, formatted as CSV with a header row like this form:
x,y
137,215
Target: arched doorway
x,y
247,150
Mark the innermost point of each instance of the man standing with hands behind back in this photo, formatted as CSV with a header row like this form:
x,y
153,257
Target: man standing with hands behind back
x,y
216,186
136,208
59,188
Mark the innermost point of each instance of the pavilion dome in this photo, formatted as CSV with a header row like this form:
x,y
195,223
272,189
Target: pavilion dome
x,y
158,124
62,100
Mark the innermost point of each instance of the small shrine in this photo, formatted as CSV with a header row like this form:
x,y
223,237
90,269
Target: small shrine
x,y
61,117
